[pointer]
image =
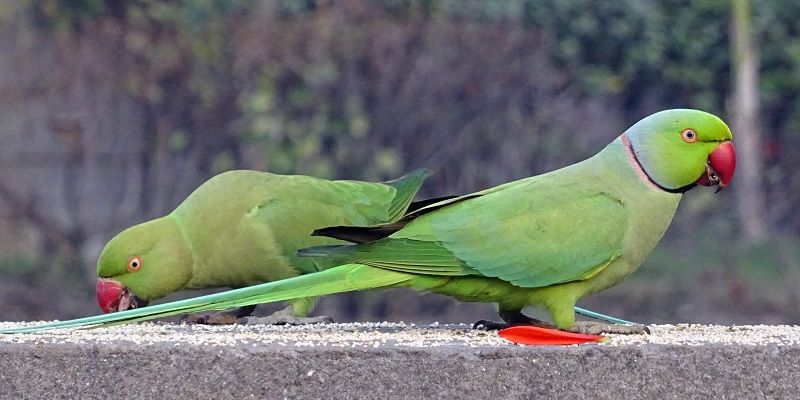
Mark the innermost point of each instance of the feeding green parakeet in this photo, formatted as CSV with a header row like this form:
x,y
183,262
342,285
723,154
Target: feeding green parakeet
x,y
238,229
546,240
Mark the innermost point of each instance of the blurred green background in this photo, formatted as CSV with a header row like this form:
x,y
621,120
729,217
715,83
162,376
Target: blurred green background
x,y
112,111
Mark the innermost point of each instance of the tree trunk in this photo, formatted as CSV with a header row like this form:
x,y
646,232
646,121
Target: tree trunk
x,y
752,211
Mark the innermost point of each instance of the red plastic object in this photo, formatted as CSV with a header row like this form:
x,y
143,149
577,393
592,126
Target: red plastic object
x,y
535,335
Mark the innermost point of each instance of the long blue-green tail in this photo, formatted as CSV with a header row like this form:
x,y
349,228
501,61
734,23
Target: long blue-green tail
x,y
344,278
602,317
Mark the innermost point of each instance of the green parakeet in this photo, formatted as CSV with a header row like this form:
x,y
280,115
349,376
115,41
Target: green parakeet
x,y
546,240
238,229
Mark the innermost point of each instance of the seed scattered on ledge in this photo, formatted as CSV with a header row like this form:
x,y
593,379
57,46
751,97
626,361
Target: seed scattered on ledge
x,y
387,335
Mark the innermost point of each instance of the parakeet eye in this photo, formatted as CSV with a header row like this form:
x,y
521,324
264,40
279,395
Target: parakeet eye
x,y
134,264
689,136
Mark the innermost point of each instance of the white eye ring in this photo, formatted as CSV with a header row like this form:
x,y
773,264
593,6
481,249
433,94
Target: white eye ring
x,y
689,135
134,264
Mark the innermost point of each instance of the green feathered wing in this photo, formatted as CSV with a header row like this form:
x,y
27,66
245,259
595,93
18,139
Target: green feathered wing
x,y
524,234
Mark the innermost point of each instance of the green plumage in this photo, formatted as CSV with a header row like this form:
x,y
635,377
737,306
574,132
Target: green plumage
x,y
547,240
243,228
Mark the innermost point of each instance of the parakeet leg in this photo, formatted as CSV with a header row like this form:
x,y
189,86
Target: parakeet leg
x,y
284,317
596,328
510,318
563,314
226,317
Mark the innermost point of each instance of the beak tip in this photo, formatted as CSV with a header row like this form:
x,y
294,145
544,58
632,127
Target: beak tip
x,y
108,293
723,160
720,167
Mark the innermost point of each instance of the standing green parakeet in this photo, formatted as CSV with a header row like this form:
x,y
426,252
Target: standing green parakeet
x,y
238,229
546,240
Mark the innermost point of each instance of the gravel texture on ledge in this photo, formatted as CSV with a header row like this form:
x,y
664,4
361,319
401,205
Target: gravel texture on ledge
x,y
389,334
394,360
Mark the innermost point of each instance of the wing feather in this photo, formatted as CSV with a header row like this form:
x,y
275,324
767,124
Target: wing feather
x,y
532,233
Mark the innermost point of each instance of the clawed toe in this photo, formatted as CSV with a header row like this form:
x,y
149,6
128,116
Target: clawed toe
x,y
193,319
209,319
487,325
280,319
597,328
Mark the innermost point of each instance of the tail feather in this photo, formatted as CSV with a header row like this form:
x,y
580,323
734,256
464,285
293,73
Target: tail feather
x,y
364,234
344,278
407,187
322,251
602,317
360,234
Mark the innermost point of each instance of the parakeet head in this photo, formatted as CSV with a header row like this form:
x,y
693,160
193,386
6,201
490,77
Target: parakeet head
x,y
142,263
678,149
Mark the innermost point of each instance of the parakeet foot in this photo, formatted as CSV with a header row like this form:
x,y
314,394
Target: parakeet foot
x,y
510,318
227,317
284,317
279,319
488,325
596,328
209,319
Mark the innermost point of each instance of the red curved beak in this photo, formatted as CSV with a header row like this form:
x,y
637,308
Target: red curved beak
x,y
109,293
720,166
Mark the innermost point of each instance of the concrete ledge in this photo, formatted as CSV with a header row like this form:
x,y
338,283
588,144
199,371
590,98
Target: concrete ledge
x,y
35,366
